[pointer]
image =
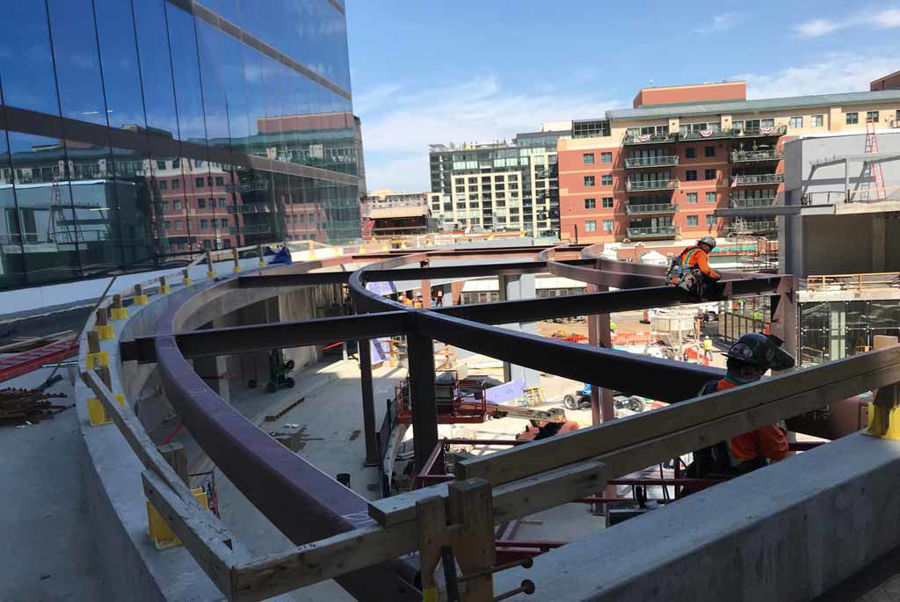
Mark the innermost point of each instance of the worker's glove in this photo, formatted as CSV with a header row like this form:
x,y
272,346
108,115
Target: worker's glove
x,y
714,275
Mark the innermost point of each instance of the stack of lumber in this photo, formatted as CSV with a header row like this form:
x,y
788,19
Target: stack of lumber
x,y
27,405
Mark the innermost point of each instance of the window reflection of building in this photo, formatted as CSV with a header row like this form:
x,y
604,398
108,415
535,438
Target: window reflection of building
x,y
158,132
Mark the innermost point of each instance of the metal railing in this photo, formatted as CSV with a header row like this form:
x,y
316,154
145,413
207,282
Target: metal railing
x,y
658,161
762,179
853,282
649,138
651,185
745,202
652,232
705,135
650,208
756,156
760,132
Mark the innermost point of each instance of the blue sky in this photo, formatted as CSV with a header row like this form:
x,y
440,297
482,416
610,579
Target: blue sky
x,y
430,71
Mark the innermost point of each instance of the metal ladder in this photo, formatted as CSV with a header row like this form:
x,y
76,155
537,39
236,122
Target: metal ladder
x,y
872,172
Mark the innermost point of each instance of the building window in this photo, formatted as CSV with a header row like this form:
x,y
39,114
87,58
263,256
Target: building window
x,y
589,181
709,174
711,220
168,225
590,203
797,122
590,226
605,157
690,152
710,151
587,158
767,123
608,225
179,225
851,118
606,180
201,203
204,224
224,221
176,205
872,116
199,182
209,180
710,197
693,220
212,223
220,181
222,203
691,198
607,202
162,185
690,175
176,184
817,121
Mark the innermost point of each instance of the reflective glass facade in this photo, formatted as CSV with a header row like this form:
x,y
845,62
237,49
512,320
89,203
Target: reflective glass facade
x,y
135,133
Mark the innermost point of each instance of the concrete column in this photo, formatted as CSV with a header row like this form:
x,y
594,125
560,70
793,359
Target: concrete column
x,y
512,288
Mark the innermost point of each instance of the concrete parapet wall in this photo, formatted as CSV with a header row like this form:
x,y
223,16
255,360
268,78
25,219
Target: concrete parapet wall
x,y
791,531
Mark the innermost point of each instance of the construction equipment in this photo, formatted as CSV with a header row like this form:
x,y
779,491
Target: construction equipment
x,y
278,372
463,401
582,398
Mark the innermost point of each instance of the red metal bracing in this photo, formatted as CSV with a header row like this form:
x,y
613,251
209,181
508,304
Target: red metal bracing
x,y
27,361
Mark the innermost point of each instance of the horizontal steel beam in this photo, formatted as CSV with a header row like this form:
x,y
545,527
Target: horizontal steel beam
x,y
263,337
630,373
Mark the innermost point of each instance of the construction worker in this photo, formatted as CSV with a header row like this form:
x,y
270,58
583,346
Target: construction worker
x,y
691,270
405,300
418,301
748,360
707,347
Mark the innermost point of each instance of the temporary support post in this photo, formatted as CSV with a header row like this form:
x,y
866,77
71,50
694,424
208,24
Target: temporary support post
x,y
783,314
186,277
95,356
420,355
599,335
210,272
368,402
426,288
176,456
105,330
884,412
96,412
234,256
118,311
139,297
164,288
259,252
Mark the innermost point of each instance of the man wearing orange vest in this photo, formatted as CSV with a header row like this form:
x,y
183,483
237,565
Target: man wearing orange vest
x,y
748,359
691,270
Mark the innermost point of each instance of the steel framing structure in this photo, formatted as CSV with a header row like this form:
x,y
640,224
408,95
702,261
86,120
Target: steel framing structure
x,y
279,482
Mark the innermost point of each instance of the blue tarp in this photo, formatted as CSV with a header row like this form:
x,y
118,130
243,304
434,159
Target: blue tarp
x,y
282,256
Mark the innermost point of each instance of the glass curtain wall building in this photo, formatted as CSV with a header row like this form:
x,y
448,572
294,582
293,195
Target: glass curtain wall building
x,y
134,133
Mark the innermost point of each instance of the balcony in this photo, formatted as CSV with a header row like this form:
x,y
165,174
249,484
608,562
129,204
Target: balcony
x,y
761,132
745,202
631,139
651,209
661,161
762,179
650,232
744,227
704,135
756,156
637,186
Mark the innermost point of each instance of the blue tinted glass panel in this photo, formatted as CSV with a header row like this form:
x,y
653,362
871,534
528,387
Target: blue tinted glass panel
x,y
77,61
26,64
217,57
118,56
188,94
153,50
12,250
310,31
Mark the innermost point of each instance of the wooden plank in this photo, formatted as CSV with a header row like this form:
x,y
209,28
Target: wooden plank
x,y
144,448
539,456
431,523
470,505
321,560
175,454
192,525
284,409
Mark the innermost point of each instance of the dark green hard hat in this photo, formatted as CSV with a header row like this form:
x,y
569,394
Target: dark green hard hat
x,y
762,351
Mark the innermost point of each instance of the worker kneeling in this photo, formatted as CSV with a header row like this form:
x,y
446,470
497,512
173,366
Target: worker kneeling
x,y
748,359
691,271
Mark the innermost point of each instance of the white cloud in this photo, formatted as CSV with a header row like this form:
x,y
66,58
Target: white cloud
x,y
399,123
843,72
722,22
817,28
883,19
